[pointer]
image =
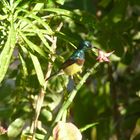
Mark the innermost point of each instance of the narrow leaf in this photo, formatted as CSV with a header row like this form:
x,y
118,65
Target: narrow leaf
x,y
7,52
60,11
81,17
38,7
32,45
88,126
38,69
25,71
15,127
37,31
39,20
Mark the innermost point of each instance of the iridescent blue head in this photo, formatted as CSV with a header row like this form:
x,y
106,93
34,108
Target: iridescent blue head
x,y
85,45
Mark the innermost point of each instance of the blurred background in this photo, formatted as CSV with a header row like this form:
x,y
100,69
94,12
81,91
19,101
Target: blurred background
x,y
110,97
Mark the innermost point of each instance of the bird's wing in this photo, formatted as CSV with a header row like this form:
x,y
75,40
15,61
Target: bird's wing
x,y
67,63
72,61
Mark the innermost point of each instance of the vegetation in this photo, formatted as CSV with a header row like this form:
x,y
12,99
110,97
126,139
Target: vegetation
x,y
37,36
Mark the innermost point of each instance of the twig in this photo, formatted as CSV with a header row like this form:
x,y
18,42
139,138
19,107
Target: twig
x,y
70,99
41,95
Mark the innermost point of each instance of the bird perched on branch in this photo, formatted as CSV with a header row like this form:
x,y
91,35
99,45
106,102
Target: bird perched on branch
x,y
75,62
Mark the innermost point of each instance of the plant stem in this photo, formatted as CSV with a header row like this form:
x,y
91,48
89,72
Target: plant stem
x,y
42,92
70,99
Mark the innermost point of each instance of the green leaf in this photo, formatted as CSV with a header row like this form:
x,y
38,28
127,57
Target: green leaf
x,y
39,20
7,52
3,17
81,17
60,1
88,126
39,136
38,69
66,38
46,114
104,3
32,45
15,127
38,7
25,71
37,31
60,11
25,136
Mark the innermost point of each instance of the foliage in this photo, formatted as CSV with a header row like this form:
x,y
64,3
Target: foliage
x,y
36,37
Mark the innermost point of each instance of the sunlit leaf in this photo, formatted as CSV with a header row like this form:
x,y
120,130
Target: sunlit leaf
x,y
60,11
15,127
38,69
26,137
60,1
36,30
38,7
32,45
39,20
16,3
2,17
47,114
7,52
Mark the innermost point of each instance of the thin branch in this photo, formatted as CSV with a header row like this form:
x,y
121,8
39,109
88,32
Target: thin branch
x,y
41,95
70,99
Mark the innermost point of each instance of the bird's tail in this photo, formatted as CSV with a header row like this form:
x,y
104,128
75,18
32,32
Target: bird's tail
x,y
54,74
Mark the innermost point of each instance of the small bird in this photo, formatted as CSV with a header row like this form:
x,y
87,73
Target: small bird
x,y
76,61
